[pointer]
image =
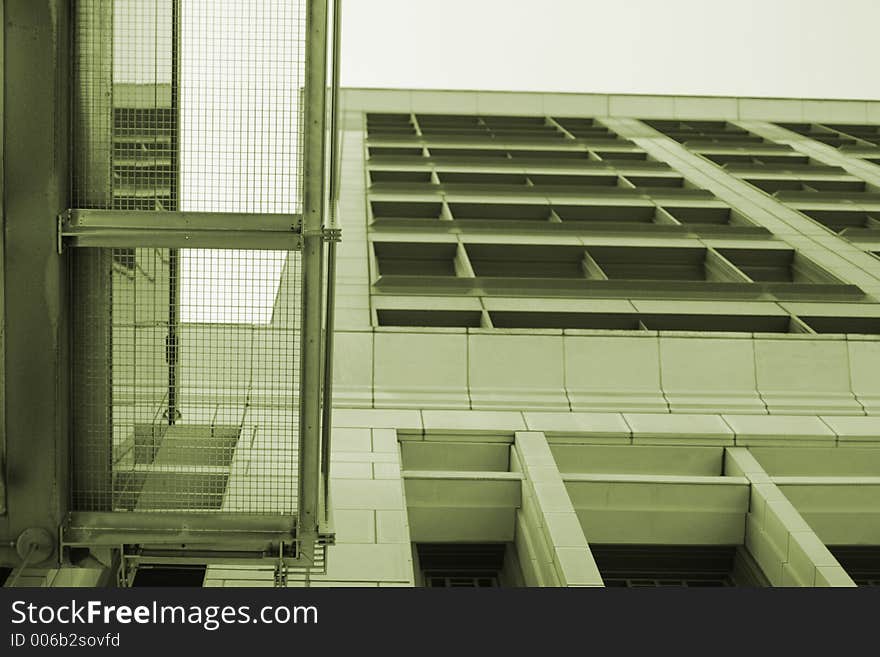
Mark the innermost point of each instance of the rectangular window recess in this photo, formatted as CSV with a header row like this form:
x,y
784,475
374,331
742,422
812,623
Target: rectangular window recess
x,y
406,209
549,179
394,151
622,156
455,456
374,132
656,181
607,213
697,215
563,320
471,178
861,562
838,220
415,258
448,119
377,176
526,261
843,325
175,576
468,153
432,318
550,155
777,266
633,321
510,211
710,323
635,566
514,121
387,117
651,263
461,564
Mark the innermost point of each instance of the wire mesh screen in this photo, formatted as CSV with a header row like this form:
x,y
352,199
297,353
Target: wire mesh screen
x,y
191,407
188,104
186,361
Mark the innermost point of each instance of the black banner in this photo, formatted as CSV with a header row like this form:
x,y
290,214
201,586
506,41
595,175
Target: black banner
x,y
381,621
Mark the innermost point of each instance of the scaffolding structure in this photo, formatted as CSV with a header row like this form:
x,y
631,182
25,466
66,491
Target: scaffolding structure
x,y
199,246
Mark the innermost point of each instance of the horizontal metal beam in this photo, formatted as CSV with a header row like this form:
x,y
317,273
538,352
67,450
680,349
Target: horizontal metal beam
x,y
211,230
229,531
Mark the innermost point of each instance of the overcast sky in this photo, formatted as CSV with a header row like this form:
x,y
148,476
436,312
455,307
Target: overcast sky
x,y
777,48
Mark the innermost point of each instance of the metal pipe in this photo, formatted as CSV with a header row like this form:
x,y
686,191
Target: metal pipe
x,y
173,348
313,245
327,409
329,326
334,111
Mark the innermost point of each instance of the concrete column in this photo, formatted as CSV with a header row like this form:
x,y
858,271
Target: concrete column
x,y
551,544
780,540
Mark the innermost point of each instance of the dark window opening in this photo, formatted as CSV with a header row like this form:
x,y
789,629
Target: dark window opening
x,y
710,323
700,216
855,325
468,153
509,211
527,261
611,156
607,213
469,178
415,258
405,210
550,156
839,220
400,176
635,566
179,576
445,318
656,181
573,180
776,266
394,151
562,320
461,564
651,263
861,562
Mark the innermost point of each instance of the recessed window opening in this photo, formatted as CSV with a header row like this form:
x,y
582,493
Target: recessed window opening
x,y
415,258
176,576
526,261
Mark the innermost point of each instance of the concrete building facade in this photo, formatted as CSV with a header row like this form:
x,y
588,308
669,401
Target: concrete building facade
x,y
625,336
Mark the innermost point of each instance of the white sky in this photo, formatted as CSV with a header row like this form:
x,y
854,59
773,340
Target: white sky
x,y
777,48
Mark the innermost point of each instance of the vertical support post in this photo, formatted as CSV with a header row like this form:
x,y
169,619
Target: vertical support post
x,y
174,254
314,206
549,517
780,540
35,183
2,269
91,269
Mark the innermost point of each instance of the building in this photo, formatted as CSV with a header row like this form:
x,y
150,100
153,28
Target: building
x,y
581,340
647,325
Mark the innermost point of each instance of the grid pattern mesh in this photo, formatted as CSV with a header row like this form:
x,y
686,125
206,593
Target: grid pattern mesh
x,y
188,105
194,407
186,361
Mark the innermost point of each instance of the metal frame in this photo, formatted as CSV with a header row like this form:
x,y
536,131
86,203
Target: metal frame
x,y
290,541
135,229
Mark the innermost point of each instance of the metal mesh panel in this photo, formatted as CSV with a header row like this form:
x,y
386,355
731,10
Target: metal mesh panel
x,y
186,361
200,413
188,105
